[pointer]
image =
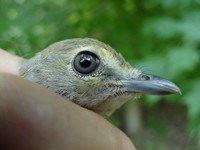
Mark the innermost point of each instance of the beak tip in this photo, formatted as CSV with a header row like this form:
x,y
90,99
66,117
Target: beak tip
x,y
178,90
173,88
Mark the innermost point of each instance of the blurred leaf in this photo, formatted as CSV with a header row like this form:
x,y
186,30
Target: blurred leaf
x,y
182,59
190,27
162,27
192,100
169,4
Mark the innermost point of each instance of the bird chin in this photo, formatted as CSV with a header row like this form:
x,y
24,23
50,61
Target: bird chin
x,y
126,95
113,102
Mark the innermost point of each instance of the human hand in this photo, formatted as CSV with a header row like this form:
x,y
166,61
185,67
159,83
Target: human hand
x,y
33,118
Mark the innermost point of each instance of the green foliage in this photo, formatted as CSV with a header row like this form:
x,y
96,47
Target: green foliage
x,y
192,101
157,36
157,125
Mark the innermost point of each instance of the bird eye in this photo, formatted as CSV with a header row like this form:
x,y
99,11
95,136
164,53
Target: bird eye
x,y
86,62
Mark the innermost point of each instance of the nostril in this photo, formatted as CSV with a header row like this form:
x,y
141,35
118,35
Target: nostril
x,y
145,77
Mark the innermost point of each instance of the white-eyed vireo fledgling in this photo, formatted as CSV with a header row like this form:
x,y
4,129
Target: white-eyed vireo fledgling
x,y
92,75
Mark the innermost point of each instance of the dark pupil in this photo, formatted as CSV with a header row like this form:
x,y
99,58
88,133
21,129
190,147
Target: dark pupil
x,y
85,61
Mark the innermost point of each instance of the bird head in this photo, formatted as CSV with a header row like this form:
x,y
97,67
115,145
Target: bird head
x,y
92,74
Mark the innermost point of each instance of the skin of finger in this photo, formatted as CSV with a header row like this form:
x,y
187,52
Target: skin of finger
x,y
33,118
9,63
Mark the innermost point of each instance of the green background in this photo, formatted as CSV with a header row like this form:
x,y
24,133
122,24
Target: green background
x,y
157,36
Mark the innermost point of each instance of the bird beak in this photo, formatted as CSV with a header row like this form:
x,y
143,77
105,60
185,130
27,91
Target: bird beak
x,y
149,84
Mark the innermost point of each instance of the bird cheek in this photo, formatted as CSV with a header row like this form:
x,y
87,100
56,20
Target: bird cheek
x,y
84,87
95,81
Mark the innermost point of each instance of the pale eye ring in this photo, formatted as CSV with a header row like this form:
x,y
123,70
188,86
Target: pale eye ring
x,y
86,62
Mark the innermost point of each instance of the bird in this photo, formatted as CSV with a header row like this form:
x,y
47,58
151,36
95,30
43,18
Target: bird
x,y
91,74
